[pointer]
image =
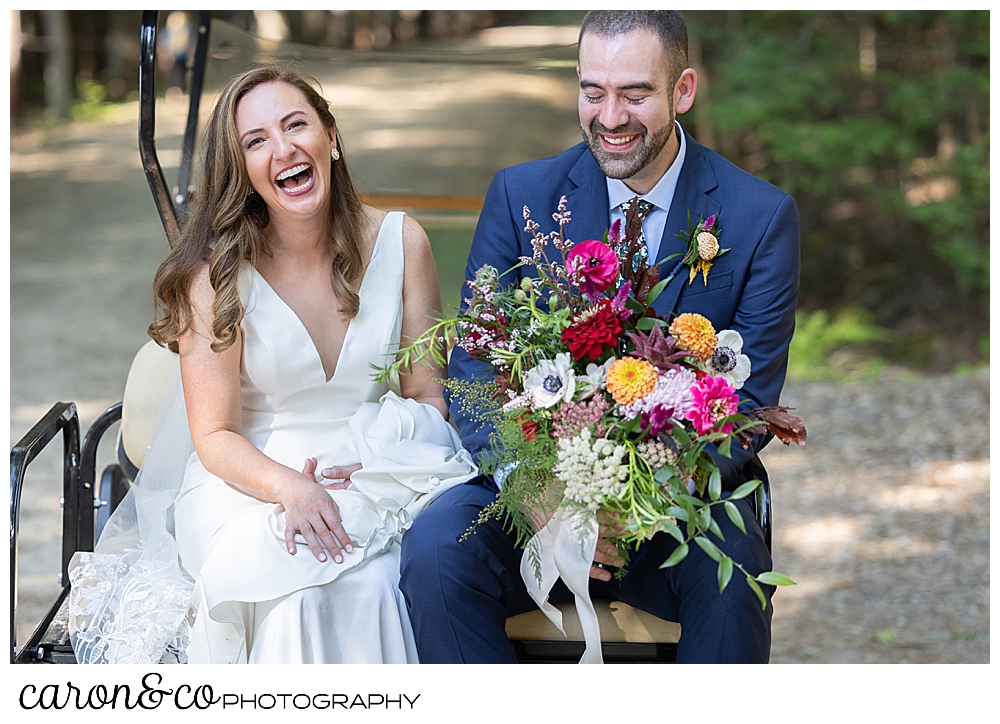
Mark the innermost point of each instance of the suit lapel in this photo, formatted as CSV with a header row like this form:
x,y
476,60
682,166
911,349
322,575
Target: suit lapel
x,y
587,201
695,181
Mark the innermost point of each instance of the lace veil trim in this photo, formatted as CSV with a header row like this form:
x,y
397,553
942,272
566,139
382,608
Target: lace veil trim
x,y
130,601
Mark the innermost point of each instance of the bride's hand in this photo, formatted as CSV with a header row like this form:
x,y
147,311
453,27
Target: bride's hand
x,y
310,510
340,475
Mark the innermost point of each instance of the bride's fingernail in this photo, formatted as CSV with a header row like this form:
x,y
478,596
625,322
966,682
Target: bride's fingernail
x,y
338,559
328,472
348,548
322,557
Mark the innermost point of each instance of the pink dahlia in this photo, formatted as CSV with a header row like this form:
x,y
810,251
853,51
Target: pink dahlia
x,y
593,266
713,399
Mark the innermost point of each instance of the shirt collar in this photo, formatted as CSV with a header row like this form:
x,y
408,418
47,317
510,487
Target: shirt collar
x,y
663,192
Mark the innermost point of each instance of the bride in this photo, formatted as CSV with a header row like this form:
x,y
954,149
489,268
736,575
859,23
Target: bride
x,y
276,540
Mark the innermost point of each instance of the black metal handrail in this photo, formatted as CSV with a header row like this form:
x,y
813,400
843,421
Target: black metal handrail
x,y
62,417
84,533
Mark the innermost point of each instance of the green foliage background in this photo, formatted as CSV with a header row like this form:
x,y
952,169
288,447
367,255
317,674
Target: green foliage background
x,y
878,124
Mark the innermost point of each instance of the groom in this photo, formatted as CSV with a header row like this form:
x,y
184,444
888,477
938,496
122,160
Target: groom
x,y
633,80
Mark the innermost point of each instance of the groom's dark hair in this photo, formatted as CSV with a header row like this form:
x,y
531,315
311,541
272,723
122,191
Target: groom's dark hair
x,y
669,25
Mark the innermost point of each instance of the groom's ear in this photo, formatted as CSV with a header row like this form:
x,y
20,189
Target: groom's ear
x,y
685,90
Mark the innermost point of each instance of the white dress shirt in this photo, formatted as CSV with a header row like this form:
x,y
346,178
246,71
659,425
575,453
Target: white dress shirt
x,y
661,195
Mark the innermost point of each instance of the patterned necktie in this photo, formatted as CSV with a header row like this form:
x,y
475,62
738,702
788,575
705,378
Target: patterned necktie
x,y
642,253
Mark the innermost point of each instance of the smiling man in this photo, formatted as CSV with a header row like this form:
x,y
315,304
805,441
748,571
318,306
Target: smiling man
x,y
634,79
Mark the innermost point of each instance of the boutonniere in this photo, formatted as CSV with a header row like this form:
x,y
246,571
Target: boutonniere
x,y
703,246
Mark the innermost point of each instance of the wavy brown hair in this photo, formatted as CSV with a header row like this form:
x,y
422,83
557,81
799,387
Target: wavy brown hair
x,y
226,225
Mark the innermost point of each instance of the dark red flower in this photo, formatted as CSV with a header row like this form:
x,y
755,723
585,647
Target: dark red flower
x,y
528,429
592,331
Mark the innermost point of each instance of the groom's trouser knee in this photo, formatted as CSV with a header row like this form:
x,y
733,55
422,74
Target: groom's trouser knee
x,y
459,585
716,627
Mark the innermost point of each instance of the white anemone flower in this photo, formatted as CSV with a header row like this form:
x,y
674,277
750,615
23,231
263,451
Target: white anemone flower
x,y
727,362
551,381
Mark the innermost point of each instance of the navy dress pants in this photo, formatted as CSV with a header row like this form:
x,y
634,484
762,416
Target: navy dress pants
x,y
460,593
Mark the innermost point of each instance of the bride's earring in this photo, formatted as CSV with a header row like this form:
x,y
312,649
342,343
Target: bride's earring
x,y
334,154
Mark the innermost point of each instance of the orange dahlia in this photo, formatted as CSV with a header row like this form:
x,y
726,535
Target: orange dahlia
x,y
694,334
630,379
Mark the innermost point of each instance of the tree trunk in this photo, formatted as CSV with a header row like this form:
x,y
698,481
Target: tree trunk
x,y
15,60
58,65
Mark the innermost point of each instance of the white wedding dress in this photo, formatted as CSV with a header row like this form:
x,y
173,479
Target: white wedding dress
x,y
237,595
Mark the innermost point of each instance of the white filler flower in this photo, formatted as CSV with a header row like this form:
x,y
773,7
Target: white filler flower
x,y
727,362
551,381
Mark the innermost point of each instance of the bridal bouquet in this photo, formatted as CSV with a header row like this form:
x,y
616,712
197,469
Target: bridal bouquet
x,y
601,409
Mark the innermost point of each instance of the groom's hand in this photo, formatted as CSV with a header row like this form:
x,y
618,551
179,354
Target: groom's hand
x,y
339,476
540,511
607,552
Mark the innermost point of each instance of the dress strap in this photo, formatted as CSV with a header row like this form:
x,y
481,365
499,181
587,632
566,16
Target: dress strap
x,y
387,255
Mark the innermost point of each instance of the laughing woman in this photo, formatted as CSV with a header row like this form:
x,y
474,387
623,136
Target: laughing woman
x,y
285,519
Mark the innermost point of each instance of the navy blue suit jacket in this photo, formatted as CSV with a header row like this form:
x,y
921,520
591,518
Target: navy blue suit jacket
x,y
751,289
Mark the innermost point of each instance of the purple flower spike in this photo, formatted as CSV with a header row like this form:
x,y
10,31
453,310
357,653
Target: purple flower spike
x,y
618,303
615,232
707,226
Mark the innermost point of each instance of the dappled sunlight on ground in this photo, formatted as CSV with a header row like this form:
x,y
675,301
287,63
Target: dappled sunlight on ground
x,y
890,550
821,537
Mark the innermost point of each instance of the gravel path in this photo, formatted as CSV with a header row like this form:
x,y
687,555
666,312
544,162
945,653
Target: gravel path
x,y
883,520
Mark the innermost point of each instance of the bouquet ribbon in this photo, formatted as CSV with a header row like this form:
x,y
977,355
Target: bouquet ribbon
x,y
565,548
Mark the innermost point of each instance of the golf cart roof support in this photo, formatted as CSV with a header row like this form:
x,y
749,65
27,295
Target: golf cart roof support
x,y
183,190
171,210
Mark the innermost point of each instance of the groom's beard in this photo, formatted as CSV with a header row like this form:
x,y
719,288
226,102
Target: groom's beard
x,y
619,166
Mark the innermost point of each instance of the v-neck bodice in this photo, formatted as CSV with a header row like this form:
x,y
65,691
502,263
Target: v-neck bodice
x,y
283,383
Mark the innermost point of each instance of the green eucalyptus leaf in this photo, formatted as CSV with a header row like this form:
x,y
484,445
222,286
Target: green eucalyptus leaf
x,y
715,484
724,447
711,550
713,526
706,463
775,579
656,290
734,515
745,490
704,519
678,513
725,572
645,324
673,531
676,557
760,594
